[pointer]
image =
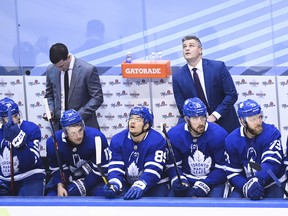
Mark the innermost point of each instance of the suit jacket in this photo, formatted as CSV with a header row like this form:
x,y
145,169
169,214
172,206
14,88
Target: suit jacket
x,y
220,91
85,92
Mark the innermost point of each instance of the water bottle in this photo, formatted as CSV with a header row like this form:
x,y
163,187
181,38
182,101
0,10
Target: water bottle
x,y
159,55
128,57
153,56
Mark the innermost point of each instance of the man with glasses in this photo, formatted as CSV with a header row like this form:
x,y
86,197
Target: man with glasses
x,y
72,84
253,150
76,173
138,156
199,154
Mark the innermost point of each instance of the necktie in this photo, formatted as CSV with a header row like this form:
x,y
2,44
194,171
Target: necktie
x,y
66,88
199,89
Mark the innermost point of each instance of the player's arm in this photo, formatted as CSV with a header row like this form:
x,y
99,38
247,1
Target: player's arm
x,y
93,175
234,170
52,161
272,157
217,175
29,154
116,168
154,164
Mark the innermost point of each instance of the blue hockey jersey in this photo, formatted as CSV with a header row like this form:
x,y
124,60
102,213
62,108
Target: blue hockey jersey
x,y
142,161
73,157
264,149
198,158
27,162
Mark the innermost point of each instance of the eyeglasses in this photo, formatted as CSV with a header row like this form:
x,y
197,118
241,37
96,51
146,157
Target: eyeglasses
x,y
138,119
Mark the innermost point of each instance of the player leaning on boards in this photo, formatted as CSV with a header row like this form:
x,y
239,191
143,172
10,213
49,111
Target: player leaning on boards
x,y
138,158
19,145
256,142
199,153
77,151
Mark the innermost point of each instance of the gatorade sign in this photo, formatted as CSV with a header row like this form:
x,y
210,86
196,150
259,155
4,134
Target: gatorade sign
x,y
146,69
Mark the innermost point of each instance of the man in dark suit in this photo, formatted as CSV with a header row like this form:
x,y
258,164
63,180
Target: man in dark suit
x,y
218,90
83,89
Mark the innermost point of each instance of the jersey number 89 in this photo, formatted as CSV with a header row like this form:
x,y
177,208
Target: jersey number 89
x,y
160,156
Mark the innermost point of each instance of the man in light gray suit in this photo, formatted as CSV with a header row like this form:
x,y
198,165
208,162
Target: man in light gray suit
x,y
81,85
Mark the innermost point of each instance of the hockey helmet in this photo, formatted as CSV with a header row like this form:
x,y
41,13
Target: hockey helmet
x,y
70,117
7,103
194,107
145,113
248,108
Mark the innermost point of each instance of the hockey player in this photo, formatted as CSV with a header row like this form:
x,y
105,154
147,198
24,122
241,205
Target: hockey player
x,y
137,159
19,145
254,142
199,153
77,152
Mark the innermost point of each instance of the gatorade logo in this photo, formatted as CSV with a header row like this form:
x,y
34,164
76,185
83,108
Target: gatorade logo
x,y
146,69
143,70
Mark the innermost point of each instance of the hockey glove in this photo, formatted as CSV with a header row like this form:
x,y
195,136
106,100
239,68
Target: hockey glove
x,y
14,134
109,193
180,187
200,189
77,188
87,169
4,189
136,191
253,189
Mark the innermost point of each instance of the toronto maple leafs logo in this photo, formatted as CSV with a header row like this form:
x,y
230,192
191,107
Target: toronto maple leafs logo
x,y
199,166
133,173
5,163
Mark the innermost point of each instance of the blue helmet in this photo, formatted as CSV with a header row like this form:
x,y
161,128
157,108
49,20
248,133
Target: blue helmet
x,y
5,103
70,117
194,107
145,113
248,108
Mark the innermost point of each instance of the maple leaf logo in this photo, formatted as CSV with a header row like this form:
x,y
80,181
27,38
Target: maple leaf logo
x,y
199,166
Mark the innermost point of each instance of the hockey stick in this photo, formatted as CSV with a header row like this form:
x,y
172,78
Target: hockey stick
x,y
255,166
59,162
11,155
258,167
272,175
98,148
171,152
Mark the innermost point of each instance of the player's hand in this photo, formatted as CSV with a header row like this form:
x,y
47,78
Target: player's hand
x,y
13,134
87,168
61,191
77,188
200,189
111,193
136,191
44,116
254,189
180,187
